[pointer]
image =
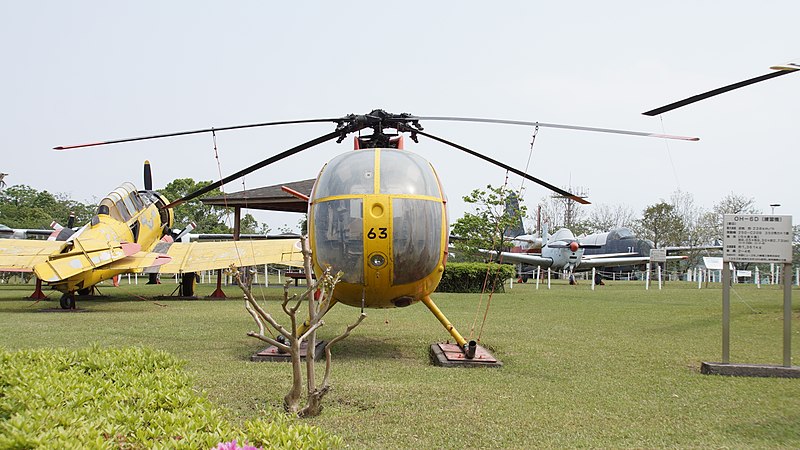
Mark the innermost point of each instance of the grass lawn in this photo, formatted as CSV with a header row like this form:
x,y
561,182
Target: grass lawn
x,y
615,367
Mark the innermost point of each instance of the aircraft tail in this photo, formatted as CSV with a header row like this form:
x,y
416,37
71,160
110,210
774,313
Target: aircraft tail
x,y
512,209
545,235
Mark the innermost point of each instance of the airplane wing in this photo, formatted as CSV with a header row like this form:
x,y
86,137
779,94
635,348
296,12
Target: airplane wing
x,y
198,256
620,261
693,248
84,254
524,258
20,255
139,261
587,261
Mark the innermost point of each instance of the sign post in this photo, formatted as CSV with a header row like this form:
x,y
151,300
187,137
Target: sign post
x,y
658,256
761,239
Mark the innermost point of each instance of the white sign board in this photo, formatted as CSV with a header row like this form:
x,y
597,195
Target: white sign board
x,y
712,262
658,255
760,238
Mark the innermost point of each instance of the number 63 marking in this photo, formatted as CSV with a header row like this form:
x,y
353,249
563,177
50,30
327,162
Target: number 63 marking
x,y
381,234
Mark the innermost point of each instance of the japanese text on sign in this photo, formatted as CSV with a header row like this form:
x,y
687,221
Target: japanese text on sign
x,y
757,238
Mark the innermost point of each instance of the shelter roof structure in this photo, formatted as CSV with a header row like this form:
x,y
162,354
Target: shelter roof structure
x,y
271,198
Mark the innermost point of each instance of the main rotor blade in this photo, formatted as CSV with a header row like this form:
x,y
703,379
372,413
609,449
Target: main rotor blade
x,y
555,125
705,95
254,167
507,167
206,130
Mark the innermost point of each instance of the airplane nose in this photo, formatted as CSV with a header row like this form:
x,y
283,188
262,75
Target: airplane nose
x,y
573,246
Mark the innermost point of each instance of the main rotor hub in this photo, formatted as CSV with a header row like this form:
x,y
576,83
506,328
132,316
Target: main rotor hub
x,y
378,120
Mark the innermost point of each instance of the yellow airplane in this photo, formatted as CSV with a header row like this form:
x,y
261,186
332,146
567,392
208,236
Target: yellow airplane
x,y
130,233
379,214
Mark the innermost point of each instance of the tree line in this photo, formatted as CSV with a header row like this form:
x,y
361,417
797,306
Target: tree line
x,y
22,206
677,221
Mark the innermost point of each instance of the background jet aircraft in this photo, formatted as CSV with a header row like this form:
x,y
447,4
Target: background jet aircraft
x,y
563,251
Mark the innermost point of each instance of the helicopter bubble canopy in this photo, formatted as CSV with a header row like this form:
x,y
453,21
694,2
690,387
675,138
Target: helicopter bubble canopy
x,y
374,202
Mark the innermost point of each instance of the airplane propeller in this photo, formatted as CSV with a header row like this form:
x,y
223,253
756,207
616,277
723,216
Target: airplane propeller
x,y
377,120
148,177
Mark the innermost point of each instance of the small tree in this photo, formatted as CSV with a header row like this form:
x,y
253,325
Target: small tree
x,y
661,224
604,218
209,219
319,295
485,228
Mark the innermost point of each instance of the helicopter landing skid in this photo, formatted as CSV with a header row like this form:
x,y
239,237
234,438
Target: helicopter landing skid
x,y
451,355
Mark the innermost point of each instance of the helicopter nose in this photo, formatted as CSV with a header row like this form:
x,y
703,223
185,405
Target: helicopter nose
x,y
573,246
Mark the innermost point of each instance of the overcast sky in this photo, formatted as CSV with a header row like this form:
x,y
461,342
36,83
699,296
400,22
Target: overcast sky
x,y
85,71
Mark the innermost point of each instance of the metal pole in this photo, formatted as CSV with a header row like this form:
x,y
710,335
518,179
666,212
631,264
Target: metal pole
x,y
726,312
647,278
758,278
659,277
787,315
593,275
548,278
538,276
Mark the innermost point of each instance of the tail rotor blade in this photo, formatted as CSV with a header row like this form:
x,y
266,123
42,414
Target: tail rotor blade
x,y
507,167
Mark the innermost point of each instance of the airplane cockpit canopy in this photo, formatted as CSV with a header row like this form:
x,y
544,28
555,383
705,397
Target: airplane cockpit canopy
x,y
123,203
562,234
621,233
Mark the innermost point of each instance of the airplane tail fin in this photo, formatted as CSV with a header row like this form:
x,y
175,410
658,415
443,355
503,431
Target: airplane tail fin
x,y
512,209
545,235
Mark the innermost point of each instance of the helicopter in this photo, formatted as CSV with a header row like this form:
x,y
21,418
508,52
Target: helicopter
x,y
379,214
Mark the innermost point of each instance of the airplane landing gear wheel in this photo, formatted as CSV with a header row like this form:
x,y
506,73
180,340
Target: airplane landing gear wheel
x,y
68,301
187,284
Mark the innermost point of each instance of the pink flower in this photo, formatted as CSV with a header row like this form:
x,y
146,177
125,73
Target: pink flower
x,y
232,445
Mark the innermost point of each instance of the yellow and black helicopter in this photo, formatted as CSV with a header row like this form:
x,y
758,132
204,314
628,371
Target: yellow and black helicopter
x,y
379,214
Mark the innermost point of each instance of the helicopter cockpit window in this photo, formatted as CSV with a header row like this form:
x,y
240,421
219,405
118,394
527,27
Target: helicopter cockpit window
x,y
339,237
350,173
407,173
417,238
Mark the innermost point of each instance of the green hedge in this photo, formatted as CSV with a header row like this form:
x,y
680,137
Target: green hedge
x,y
130,398
470,277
